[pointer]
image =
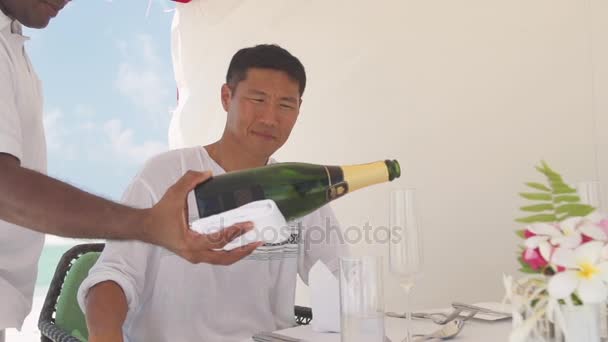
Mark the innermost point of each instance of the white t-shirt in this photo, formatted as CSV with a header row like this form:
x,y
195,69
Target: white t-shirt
x,y
21,135
171,299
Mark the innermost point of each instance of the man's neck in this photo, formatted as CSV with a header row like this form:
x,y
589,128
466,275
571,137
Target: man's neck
x,y
4,10
232,157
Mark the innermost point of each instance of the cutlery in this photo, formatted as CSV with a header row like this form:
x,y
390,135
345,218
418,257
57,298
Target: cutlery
x,y
439,317
469,307
274,337
448,331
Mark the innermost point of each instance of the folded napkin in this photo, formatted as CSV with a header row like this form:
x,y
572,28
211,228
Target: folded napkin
x,y
269,223
324,298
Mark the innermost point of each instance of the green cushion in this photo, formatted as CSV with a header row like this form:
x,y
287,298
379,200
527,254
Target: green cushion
x,y
68,315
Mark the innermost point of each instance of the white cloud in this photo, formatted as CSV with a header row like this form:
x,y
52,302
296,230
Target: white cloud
x,y
141,78
122,143
108,141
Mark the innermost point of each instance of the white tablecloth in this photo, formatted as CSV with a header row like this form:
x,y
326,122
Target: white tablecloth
x,y
474,331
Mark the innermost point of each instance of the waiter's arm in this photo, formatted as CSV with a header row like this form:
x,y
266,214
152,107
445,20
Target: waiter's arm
x,y
39,202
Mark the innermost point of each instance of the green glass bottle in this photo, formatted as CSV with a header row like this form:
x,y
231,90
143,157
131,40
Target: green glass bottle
x,y
296,188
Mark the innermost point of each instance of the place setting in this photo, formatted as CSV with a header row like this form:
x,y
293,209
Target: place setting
x,y
351,306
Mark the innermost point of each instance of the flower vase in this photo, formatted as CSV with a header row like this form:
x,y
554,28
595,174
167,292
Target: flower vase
x,y
581,323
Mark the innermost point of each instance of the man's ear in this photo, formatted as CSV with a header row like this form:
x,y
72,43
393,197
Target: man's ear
x,y
226,95
300,105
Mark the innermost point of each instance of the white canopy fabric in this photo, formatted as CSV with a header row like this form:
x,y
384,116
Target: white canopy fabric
x,y
335,40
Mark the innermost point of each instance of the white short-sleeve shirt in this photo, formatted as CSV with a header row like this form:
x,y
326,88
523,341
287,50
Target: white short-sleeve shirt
x,y
21,135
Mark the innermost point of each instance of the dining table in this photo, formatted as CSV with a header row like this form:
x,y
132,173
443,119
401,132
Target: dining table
x,y
474,330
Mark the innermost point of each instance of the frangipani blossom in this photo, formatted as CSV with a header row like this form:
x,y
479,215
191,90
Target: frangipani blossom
x,y
586,273
540,236
571,236
588,226
569,233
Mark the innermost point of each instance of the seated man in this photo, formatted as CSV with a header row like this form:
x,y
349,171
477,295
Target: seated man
x,y
141,292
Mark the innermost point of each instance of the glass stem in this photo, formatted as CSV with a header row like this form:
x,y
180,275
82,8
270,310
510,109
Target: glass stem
x,y
408,314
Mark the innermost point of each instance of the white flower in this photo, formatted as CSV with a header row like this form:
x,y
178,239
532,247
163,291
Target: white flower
x,y
544,233
566,234
589,226
571,235
586,273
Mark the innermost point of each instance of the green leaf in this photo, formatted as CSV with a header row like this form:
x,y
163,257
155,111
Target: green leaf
x,y
541,170
548,169
556,201
528,270
536,196
538,186
521,233
537,218
566,198
554,179
525,268
563,189
575,209
576,300
538,207
557,181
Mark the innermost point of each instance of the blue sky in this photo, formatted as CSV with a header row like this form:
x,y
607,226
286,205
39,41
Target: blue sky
x,y
109,89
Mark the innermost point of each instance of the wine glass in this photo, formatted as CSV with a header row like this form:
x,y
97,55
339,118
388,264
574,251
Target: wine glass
x,y
361,299
405,246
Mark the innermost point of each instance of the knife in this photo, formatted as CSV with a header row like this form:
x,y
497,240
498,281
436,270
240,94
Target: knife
x,y
480,309
274,337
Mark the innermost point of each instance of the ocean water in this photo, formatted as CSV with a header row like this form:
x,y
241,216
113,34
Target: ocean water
x,y
51,253
54,248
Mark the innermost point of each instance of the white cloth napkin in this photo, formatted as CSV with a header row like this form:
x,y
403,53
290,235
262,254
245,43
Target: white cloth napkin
x,y
325,299
269,224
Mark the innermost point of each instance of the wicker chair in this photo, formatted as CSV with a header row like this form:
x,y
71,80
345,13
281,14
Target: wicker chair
x,y
61,319
52,323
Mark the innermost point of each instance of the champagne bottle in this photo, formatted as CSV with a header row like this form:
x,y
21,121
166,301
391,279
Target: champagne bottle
x,y
296,188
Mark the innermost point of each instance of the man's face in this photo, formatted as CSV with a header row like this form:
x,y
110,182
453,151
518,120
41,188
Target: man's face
x,y
262,110
32,13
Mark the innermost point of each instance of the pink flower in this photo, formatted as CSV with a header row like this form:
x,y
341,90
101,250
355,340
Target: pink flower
x,y
183,1
533,258
586,239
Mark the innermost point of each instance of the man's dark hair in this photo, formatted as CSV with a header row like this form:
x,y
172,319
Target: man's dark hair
x,y
265,56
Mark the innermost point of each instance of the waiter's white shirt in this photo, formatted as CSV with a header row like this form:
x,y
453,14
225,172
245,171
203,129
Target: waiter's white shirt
x,y
21,135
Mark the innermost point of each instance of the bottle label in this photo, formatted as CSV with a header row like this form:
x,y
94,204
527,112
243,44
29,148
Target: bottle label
x,y
337,191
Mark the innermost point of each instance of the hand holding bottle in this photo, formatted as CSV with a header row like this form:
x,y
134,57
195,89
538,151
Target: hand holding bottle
x,y
166,225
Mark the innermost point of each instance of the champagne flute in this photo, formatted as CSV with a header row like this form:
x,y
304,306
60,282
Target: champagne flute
x,y
405,246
